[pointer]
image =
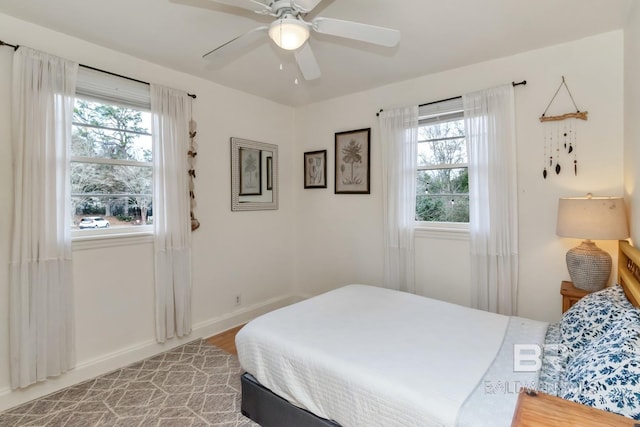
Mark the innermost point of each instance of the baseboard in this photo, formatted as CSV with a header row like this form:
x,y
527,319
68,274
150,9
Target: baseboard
x,y
88,369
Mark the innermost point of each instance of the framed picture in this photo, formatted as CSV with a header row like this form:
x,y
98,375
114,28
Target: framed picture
x,y
250,168
254,175
315,169
269,173
352,171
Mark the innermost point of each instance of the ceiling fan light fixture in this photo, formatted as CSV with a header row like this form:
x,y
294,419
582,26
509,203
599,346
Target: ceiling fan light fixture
x,y
289,33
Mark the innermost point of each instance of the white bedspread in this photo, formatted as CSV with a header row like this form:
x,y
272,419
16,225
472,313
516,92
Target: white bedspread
x,y
367,356
494,400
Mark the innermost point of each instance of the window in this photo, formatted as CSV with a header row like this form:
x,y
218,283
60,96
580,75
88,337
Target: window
x,y
111,154
442,191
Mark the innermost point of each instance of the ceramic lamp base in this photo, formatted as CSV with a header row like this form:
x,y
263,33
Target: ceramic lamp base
x,y
589,266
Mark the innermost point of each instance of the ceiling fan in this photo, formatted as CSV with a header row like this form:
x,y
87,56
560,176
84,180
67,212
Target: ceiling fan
x,y
291,32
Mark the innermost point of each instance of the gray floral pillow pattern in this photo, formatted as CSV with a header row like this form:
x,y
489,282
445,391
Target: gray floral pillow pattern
x,y
603,357
554,361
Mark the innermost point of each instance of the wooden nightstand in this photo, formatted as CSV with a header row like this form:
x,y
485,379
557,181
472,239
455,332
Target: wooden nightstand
x,y
570,294
538,409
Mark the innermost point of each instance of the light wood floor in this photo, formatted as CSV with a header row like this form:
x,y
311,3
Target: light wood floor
x,y
226,340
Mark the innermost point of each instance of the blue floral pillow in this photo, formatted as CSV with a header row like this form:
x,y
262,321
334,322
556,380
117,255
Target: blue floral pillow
x,y
591,317
606,374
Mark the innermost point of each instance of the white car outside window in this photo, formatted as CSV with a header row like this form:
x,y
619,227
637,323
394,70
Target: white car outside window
x,y
93,222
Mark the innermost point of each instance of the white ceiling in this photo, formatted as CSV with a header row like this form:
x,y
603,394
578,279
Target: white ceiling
x,y
436,36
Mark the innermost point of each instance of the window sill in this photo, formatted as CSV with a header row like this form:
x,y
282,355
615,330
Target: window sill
x,y
444,231
112,239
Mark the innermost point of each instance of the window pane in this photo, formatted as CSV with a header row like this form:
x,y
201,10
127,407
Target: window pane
x,y
443,195
441,130
442,143
100,212
110,132
122,194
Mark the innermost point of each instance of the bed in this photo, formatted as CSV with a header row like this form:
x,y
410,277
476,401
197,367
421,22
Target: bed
x,y
366,356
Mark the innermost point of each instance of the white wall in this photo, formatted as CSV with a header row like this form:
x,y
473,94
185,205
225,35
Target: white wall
x,y
631,114
339,237
247,253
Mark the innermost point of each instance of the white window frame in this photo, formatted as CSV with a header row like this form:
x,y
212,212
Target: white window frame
x,y
440,229
97,86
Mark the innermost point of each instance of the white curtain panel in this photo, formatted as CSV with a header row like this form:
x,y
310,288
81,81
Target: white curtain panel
x,y
493,217
41,326
171,220
399,139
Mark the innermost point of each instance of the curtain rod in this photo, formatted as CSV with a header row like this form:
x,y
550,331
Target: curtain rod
x,y
15,47
514,84
437,102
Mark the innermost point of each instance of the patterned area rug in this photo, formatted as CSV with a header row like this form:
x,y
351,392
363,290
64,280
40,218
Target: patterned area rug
x,y
194,385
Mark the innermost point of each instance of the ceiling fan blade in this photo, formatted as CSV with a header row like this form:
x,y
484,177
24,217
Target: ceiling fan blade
x,y
305,6
236,44
254,5
357,31
307,62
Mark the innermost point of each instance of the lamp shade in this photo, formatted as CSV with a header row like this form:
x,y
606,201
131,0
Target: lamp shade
x,y
593,218
597,218
289,33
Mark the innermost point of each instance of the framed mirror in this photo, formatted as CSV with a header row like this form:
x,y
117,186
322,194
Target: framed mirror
x,y
254,175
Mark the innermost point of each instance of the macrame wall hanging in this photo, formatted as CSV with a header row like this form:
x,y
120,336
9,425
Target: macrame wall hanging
x,y
560,137
192,153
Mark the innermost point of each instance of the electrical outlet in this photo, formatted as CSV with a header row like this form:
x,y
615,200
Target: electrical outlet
x,y
238,300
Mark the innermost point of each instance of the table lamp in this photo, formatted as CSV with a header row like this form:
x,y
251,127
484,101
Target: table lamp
x,y
597,218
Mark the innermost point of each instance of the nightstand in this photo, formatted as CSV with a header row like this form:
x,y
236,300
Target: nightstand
x,y
570,294
536,409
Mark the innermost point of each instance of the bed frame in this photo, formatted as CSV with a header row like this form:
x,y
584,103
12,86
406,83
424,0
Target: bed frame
x,y
270,410
629,271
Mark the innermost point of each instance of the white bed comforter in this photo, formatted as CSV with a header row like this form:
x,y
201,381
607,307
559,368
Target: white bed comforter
x,y
367,356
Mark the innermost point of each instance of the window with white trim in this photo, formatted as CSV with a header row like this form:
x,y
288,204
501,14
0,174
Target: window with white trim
x,y
111,155
442,190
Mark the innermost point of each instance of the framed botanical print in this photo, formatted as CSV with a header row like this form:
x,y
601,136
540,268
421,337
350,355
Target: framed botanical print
x,y
254,175
315,169
352,166
250,172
